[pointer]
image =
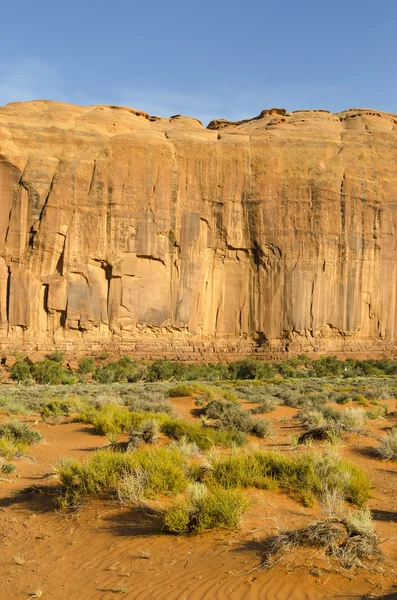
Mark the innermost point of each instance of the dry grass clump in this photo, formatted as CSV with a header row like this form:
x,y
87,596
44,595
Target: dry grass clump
x,y
350,540
388,447
202,510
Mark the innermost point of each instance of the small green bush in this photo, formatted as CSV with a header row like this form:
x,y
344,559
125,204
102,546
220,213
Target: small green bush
x,y
57,356
86,366
204,437
180,391
164,469
304,475
203,511
20,372
48,372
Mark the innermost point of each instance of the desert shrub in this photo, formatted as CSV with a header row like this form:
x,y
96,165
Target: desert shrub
x,y
262,429
108,419
266,406
48,372
163,471
111,418
378,412
187,448
203,510
229,415
204,437
353,419
162,370
265,371
327,366
63,407
16,437
243,369
146,398
131,488
55,408
303,475
146,432
207,392
20,432
57,356
323,420
388,447
6,468
180,390
104,374
20,372
86,366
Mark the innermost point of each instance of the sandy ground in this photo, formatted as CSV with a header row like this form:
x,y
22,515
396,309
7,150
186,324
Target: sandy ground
x,y
107,552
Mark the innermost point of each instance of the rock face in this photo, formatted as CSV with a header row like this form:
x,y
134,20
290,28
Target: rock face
x,y
161,236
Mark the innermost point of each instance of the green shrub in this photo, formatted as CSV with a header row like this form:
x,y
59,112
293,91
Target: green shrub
x,y
161,370
164,472
86,365
111,418
104,374
48,372
204,437
57,356
202,511
181,390
20,372
304,475
63,407
243,369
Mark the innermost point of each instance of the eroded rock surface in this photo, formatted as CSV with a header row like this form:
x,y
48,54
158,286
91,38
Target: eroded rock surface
x,y
158,235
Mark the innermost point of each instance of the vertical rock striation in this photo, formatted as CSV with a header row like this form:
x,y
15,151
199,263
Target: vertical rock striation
x,y
161,236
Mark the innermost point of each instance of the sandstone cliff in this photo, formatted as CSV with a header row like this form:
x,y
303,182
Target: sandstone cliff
x,y
158,235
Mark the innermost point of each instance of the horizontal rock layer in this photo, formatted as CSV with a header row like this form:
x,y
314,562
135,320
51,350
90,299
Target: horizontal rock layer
x,y
157,235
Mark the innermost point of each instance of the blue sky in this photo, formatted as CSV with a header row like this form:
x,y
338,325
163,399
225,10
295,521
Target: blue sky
x,y
208,59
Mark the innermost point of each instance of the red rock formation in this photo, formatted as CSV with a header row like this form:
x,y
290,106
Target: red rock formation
x,y
159,235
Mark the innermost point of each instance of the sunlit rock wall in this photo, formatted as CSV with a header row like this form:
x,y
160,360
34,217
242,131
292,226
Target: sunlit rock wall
x,y
160,236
